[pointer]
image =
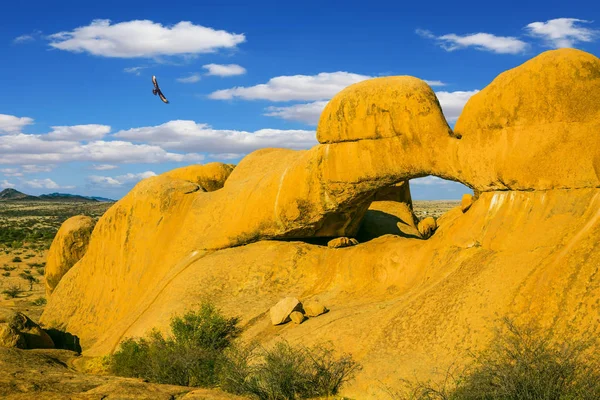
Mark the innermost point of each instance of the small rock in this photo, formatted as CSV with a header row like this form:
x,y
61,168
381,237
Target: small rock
x,y
297,317
466,202
18,331
280,312
342,242
426,227
314,309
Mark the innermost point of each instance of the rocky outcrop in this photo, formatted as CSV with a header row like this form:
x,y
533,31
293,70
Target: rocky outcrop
x,y
403,305
18,331
49,375
69,245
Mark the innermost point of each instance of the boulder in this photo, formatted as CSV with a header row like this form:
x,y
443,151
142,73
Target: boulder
x,y
280,312
466,202
297,317
18,331
427,226
314,309
342,242
67,248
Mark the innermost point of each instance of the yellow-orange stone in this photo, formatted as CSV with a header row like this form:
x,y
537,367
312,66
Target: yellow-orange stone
x,y
69,245
403,306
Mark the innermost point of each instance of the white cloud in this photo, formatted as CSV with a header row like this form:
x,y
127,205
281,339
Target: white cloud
x,y
430,180
34,149
78,132
11,172
224,70
480,41
45,184
23,39
191,136
226,156
143,38
190,79
103,167
296,87
121,179
6,184
10,123
452,104
562,32
26,169
134,70
32,169
308,113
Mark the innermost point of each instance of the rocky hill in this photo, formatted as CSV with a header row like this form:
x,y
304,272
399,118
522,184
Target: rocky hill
x,y
403,302
15,195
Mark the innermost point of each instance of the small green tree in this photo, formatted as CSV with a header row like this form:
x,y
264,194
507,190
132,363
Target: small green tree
x,y
30,279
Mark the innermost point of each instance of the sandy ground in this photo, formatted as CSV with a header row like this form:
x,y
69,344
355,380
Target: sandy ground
x,y
24,301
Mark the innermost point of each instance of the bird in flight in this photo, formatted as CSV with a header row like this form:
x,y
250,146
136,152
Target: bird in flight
x,y
156,90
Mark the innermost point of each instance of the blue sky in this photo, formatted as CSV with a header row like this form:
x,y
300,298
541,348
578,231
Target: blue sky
x,y
77,114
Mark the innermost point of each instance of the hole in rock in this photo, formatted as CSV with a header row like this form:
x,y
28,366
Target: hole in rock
x,y
397,210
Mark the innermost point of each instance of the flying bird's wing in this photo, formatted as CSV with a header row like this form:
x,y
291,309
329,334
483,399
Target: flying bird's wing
x,y
154,82
162,97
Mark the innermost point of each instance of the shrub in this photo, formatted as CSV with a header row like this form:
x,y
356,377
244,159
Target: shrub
x,y
285,372
190,357
7,268
30,279
523,363
12,292
17,259
40,271
6,273
40,301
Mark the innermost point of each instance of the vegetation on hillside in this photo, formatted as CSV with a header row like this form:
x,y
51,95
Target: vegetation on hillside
x,y
523,362
201,351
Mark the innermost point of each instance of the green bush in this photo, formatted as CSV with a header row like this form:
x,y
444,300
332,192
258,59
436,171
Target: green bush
x,y
30,279
16,259
12,292
40,301
6,273
190,357
285,372
522,363
40,271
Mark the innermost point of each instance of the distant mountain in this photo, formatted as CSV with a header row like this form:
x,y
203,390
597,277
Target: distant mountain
x,y
65,197
15,195
102,199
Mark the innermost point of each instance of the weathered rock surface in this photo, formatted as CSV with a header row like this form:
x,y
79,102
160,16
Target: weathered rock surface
x,y
49,375
69,245
18,331
280,312
527,144
209,177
